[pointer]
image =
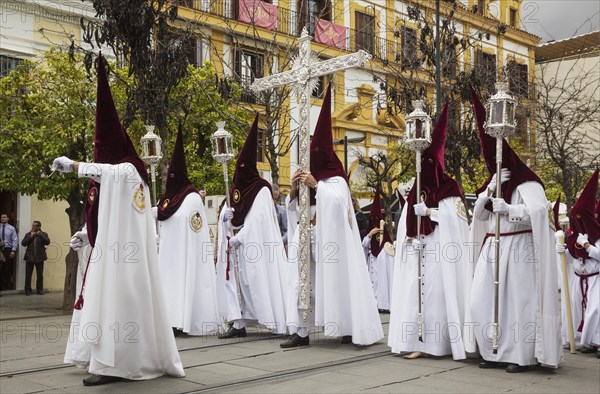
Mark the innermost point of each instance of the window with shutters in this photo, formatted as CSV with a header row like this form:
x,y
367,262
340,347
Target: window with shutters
x,y
518,78
512,17
247,67
202,51
481,6
365,32
309,10
7,64
485,68
260,144
449,62
409,48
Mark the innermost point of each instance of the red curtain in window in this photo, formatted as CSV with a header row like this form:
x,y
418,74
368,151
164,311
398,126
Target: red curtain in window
x,y
258,13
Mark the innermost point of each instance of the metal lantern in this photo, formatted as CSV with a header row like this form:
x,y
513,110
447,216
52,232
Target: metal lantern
x,y
221,140
500,122
151,147
418,128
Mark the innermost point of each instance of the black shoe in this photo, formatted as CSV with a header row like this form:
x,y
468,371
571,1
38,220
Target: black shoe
x,y
587,350
234,333
295,341
489,364
27,292
40,292
177,332
97,380
346,339
515,368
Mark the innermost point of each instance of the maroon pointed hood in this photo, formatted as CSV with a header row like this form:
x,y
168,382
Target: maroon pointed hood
x,y
519,172
324,163
112,145
435,184
581,218
597,211
246,180
375,216
178,184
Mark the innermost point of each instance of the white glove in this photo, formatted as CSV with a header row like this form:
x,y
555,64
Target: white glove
x,y
228,214
500,206
82,235
418,245
582,239
504,177
234,242
154,212
420,209
560,248
62,164
76,243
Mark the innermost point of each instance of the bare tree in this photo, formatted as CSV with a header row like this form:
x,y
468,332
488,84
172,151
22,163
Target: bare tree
x,y
568,93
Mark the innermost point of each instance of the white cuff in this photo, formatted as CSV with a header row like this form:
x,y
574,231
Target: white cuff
x,y
434,214
518,214
90,170
593,252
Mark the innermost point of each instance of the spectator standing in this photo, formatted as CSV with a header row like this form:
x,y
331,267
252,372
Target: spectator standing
x,y
36,241
8,234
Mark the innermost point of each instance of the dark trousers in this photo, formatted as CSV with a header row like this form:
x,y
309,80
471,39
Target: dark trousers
x,y
7,270
39,270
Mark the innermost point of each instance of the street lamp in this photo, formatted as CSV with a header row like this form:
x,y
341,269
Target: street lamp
x,y
151,155
222,152
345,141
418,137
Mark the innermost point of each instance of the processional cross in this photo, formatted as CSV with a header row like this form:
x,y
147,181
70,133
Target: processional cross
x,y
306,67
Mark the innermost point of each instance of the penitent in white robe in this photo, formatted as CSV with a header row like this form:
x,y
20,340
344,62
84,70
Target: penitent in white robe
x,y
590,333
381,271
529,317
262,265
124,317
78,352
343,300
187,269
443,281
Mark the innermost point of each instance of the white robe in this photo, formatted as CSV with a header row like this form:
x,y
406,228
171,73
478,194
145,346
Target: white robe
x,y
381,271
187,269
263,268
78,352
343,299
590,333
529,317
443,282
124,317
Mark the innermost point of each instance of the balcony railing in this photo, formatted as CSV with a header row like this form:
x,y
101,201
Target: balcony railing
x,y
288,23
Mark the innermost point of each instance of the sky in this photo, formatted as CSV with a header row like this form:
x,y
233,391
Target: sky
x,y
558,19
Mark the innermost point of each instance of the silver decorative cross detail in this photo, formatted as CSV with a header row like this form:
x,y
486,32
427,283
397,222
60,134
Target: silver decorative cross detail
x,y
305,69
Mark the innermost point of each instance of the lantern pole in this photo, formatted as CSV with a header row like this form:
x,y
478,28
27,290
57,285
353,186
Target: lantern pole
x,y
151,155
500,124
418,138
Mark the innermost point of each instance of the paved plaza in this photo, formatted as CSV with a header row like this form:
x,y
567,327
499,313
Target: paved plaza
x,y
34,332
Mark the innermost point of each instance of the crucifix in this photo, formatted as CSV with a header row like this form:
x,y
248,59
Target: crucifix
x,y
306,68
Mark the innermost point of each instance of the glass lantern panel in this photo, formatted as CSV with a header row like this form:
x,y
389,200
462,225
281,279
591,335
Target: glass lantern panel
x,y
510,113
151,148
497,115
409,130
418,128
222,146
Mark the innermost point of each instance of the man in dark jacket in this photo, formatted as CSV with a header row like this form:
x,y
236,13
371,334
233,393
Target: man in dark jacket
x,y
35,241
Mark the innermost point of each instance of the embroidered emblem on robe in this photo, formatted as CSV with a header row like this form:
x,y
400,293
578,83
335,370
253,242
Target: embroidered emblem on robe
x,y
139,199
461,210
196,221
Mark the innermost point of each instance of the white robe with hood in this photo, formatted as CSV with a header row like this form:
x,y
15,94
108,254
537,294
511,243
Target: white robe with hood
x,y
443,282
262,264
343,300
187,269
529,317
124,318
